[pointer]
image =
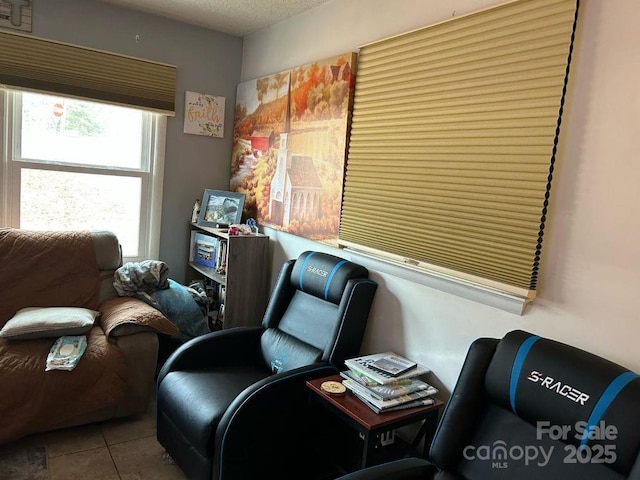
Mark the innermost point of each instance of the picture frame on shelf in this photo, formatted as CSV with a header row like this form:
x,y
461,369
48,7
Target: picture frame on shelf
x,y
204,249
220,208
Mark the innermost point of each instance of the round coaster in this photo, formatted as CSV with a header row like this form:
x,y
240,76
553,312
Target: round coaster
x,y
333,388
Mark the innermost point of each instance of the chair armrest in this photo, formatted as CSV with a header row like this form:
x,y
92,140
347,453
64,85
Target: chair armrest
x,y
235,346
280,405
405,469
127,315
462,412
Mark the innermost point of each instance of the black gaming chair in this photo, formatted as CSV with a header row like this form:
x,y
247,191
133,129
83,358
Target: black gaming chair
x,y
233,404
529,408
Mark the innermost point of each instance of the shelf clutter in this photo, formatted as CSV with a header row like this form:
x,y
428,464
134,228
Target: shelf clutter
x,y
228,264
387,382
209,251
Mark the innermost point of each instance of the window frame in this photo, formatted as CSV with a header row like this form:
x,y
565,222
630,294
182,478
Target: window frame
x,y
151,171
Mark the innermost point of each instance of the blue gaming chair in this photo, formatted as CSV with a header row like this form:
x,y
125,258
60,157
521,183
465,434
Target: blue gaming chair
x,y
233,404
530,408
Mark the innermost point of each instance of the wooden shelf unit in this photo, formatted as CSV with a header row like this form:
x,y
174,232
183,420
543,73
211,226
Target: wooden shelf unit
x,y
245,278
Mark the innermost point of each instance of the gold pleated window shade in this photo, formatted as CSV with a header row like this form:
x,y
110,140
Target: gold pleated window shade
x,y
41,65
453,140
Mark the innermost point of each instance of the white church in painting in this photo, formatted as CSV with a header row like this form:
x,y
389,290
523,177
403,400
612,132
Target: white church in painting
x,y
296,190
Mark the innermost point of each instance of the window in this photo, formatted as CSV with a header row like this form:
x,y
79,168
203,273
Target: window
x,y
455,127
72,164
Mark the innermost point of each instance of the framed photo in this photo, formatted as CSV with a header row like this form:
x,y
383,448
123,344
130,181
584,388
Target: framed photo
x,y
220,209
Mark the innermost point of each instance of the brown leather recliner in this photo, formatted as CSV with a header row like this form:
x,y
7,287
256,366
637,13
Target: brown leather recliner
x,y
115,376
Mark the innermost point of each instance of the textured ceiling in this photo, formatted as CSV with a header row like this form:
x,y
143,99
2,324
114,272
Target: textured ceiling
x,y
236,17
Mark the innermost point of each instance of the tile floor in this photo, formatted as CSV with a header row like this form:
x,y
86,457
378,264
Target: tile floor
x,y
121,449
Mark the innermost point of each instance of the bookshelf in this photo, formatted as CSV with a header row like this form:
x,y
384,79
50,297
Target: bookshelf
x,y
235,269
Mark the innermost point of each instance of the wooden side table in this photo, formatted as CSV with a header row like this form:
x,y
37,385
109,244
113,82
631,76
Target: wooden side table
x,y
370,425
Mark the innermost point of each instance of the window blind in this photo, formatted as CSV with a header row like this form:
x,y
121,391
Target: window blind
x,y
37,64
453,141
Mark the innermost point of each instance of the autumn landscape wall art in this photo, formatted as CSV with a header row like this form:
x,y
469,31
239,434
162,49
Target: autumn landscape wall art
x,y
289,146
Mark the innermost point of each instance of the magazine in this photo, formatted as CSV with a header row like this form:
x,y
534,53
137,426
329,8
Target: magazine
x,y
387,406
413,404
393,365
362,392
392,390
363,379
362,365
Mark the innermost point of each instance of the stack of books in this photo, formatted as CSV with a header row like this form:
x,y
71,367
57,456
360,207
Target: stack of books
x,y
387,382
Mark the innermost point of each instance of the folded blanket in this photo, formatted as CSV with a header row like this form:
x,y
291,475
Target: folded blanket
x,y
136,277
125,316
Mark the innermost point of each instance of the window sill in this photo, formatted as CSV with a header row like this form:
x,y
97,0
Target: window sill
x,y
504,300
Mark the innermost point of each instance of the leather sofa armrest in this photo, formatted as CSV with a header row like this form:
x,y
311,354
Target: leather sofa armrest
x,y
126,315
404,469
235,346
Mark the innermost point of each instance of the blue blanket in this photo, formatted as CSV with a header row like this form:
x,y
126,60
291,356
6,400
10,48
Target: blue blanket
x,y
179,306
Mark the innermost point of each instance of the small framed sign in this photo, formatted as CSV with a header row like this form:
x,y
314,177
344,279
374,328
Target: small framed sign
x,y
204,114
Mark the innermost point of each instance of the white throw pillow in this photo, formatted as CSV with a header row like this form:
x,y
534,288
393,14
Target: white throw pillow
x,y
48,322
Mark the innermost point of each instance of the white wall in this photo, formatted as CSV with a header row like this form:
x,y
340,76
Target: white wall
x,y
591,255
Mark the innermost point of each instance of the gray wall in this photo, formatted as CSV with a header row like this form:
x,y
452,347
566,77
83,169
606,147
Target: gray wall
x,y
207,62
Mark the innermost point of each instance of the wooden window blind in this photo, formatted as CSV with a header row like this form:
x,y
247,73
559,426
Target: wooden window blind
x,y
37,64
453,141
